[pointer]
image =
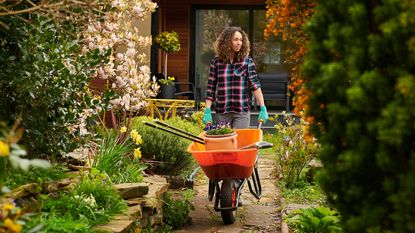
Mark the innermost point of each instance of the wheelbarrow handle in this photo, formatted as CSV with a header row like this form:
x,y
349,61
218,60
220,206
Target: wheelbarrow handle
x,y
258,145
260,123
178,130
192,137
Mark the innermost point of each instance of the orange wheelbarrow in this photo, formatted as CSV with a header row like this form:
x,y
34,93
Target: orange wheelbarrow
x,y
227,170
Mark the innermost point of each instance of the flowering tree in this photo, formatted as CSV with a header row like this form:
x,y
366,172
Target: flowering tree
x,y
127,70
287,18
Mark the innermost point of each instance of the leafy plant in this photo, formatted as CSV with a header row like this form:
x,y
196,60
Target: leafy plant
x,y
36,175
176,211
119,158
168,150
293,152
50,222
168,81
220,128
93,199
314,220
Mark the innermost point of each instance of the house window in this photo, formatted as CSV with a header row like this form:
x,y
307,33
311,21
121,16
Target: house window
x,y
208,22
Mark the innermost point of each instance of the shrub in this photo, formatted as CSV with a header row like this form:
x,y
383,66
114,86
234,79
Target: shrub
x,y
361,67
166,148
168,41
176,211
43,80
292,151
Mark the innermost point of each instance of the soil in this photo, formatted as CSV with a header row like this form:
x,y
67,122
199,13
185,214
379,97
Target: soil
x,y
254,216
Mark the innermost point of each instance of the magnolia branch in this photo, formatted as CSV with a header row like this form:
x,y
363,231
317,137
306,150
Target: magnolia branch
x,y
45,5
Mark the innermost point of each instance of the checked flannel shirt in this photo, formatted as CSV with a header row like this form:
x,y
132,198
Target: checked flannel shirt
x,y
231,85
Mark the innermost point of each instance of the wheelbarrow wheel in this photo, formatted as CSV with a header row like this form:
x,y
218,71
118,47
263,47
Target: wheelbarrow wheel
x,y
228,199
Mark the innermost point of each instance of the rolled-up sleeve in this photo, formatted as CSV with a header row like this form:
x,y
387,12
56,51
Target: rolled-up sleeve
x,y
252,75
212,80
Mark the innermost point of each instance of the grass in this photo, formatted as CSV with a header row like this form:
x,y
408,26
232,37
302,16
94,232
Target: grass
x,y
303,193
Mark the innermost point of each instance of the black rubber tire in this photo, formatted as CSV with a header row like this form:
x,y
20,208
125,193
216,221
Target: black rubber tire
x,y
228,216
211,191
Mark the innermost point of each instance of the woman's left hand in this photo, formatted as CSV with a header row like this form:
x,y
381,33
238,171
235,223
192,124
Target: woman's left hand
x,y
263,114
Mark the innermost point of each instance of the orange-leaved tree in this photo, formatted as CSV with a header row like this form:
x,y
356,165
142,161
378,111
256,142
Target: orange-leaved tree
x,y
286,18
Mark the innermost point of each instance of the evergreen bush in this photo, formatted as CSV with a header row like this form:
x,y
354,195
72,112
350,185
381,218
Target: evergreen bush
x,y
361,64
168,150
43,81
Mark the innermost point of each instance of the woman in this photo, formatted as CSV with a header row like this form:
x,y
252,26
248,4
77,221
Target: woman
x,y
232,79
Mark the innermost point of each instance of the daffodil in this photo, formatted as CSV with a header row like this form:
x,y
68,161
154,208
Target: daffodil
x,y
137,153
136,137
4,149
13,227
7,207
123,129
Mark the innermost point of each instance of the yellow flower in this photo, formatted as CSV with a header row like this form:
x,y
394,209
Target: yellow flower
x,y
137,153
9,224
4,149
123,129
171,78
7,207
136,137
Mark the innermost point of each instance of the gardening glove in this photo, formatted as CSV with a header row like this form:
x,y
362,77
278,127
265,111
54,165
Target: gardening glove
x,y
207,117
263,114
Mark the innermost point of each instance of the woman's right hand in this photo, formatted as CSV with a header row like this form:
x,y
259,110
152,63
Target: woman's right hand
x,y
207,117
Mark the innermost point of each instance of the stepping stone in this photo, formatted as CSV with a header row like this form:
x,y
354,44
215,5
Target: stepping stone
x,y
132,190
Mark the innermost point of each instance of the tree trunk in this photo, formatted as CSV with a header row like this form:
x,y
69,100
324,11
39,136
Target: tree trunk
x,y
165,65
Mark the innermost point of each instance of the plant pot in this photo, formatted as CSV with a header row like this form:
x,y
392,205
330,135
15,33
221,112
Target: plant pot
x,y
167,91
221,142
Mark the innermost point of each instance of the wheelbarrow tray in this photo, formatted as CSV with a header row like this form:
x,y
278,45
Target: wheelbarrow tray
x,y
224,164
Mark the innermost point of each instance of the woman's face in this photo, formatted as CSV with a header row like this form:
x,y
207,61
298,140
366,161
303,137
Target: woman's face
x,y
236,41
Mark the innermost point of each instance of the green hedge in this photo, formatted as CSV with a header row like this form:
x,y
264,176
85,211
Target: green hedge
x,y
361,65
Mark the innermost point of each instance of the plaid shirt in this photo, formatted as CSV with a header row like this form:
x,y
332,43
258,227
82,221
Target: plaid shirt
x,y
231,85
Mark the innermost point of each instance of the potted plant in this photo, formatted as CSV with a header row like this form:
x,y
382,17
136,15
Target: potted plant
x,y
168,42
167,88
220,137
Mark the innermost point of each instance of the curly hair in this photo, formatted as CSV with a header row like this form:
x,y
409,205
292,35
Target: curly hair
x,y
223,44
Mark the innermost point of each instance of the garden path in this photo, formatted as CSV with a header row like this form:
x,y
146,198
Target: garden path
x,y
254,216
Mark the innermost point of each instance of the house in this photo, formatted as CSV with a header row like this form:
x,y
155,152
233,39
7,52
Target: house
x,y
198,23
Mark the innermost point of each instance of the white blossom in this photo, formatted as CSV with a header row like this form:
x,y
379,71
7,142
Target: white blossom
x,y
126,72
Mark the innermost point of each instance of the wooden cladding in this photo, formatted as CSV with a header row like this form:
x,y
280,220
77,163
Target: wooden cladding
x,y
175,16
